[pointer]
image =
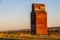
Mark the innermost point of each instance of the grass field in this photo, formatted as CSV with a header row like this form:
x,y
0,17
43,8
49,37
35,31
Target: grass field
x,y
28,36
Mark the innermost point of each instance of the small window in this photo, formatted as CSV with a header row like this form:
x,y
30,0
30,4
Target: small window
x,y
39,7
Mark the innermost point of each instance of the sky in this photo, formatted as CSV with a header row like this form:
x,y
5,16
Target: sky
x,y
15,14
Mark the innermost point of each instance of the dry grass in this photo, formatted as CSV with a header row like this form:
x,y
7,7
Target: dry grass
x,y
28,36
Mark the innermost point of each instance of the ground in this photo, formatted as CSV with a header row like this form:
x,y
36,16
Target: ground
x,y
29,36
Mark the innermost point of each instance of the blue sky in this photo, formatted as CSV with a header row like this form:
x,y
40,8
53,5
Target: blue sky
x,y
15,14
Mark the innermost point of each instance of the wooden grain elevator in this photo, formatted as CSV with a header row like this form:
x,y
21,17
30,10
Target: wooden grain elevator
x,y
38,19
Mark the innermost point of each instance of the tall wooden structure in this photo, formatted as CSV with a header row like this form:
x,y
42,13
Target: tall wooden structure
x,y
38,19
